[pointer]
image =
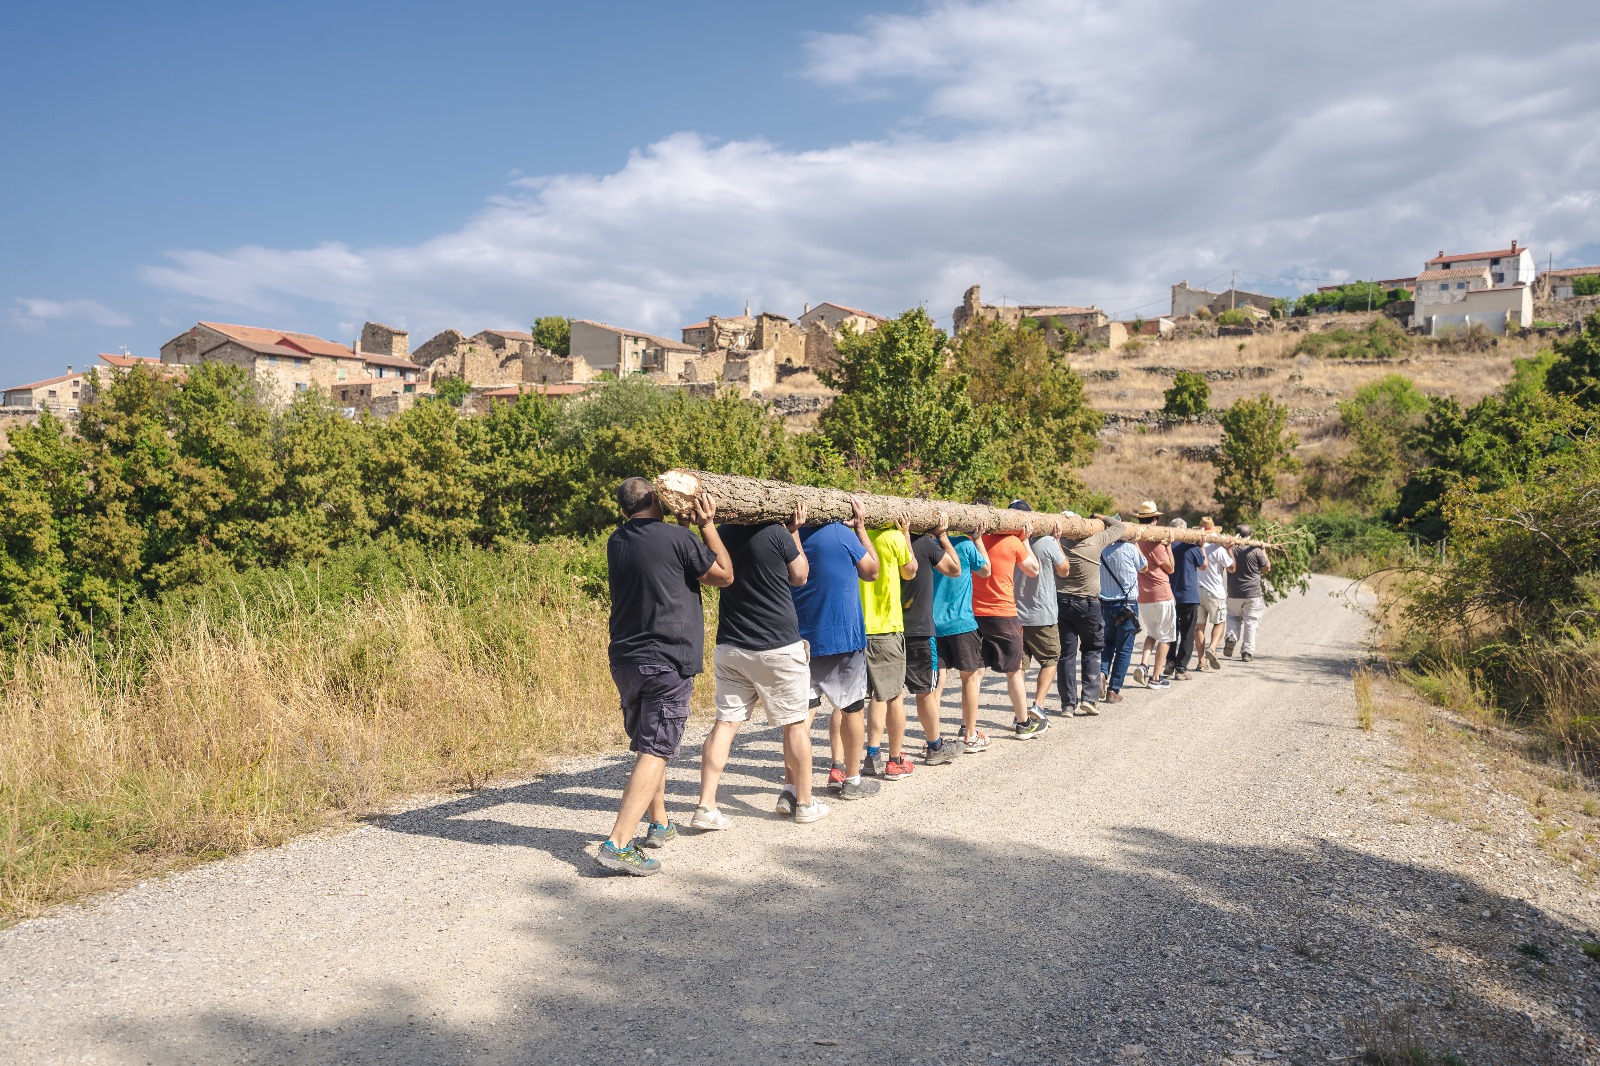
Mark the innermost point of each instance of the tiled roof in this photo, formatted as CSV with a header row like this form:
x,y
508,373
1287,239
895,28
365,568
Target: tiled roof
x,y
677,346
540,390
280,342
128,362
849,310
377,359
1498,254
720,318
1457,272
1040,312
42,384
510,334
1571,272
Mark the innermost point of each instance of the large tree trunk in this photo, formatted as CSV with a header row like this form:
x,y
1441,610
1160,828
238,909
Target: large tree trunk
x,y
750,500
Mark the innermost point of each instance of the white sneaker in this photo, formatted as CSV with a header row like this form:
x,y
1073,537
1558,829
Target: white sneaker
x,y
709,818
814,811
1087,709
1139,674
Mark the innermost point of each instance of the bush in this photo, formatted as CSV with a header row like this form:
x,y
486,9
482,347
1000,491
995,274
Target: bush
x,y
1379,339
1587,285
1352,543
1235,316
1189,396
1256,448
1379,419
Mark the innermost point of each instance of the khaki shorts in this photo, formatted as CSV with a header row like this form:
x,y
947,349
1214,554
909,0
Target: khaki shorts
x,y
1213,609
1042,644
779,679
886,666
1160,621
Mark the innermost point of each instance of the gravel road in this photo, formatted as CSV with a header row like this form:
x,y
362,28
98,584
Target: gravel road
x,y
1213,873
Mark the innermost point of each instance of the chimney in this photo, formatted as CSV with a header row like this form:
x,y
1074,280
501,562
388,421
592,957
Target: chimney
x,y
1513,247
1441,253
807,311
69,370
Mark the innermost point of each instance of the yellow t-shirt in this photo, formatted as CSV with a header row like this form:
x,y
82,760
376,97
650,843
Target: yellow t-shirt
x,y
880,599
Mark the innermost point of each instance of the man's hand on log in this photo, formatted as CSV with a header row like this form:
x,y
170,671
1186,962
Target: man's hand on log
x,y
799,519
704,510
979,528
903,524
858,512
943,528
1055,528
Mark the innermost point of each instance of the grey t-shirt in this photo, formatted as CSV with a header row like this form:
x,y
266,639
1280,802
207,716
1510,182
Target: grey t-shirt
x,y
1036,596
1084,581
1245,581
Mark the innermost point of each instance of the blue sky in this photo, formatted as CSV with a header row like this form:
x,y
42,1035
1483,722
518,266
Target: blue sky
x,y
308,166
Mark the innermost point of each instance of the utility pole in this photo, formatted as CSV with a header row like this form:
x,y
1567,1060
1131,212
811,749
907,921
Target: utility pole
x,y
1233,289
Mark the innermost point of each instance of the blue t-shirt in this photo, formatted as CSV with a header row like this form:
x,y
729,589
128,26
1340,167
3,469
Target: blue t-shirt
x,y
952,596
1186,562
1120,564
829,603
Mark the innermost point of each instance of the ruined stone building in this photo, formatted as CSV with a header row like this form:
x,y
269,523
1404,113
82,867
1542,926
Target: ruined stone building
x,y
284,362
1187,301
973,310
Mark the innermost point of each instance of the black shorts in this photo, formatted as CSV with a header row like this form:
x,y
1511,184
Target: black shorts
x,y
920,660
963,652
655,705
1002,643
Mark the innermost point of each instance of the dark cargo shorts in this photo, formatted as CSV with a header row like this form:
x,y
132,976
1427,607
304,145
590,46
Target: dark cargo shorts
x,y
655,705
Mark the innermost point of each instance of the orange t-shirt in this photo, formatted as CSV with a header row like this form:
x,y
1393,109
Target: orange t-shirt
x,y
995,596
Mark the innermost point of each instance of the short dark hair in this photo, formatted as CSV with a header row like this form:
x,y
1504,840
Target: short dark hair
x,y
982,501
635,494
1242,530
1147,519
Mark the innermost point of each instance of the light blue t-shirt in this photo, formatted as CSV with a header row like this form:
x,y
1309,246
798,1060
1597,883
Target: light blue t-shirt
x,y
1120,564
952,596
1036,596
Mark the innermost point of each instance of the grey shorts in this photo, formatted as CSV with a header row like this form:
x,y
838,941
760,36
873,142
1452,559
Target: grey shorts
x,y
777,678
886,666
842,678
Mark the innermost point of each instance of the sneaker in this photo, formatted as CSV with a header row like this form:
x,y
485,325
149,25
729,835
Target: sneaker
x,y
1033,727
1036,711
854,791
1245,656
1138,672
897,769
786,804
1086,710
1211,659
1115,697
1178,675
836,777
1105,687
943,755
1159,682
660,835
975,743
710,818
629,860
1229,644
875,764
806,813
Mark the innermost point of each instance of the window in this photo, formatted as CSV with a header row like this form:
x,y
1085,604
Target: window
x,y
272,360
1494,262
299,386
411,388
1461,284
1499,278
1444,286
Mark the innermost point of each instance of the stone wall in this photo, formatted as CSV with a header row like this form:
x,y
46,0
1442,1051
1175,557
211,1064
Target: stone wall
x,y
751,372
1112,335
821,354
484,359
785,340
378,339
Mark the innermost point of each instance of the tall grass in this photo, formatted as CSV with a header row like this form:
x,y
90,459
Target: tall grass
x,y
269,703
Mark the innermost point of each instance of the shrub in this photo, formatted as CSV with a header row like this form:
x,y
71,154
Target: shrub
x,y
1189,396
1379,339
1235,316
1351,543
1379,419
452,390
1587,285
1256,448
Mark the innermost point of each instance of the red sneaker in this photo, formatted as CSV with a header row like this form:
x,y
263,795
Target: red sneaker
x,y
836,778
895,769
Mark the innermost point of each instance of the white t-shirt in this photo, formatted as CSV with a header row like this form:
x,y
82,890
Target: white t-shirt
x,y
1214,575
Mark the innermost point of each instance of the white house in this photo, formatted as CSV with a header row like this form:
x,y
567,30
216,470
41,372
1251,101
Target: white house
x,y
1558,283
58,395
622,351
836,316
1456,297
1506,266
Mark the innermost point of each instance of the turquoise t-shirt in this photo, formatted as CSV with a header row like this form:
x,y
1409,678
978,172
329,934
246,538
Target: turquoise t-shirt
x,y
952,596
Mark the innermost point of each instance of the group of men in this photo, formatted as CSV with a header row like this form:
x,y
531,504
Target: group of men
x,y
862,618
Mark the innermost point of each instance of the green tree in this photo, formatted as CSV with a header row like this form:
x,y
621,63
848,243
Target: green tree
x,y
452,390
1018,381
1188,397
1576,369
904,415
1256,449
554,333
1379,419
1587,285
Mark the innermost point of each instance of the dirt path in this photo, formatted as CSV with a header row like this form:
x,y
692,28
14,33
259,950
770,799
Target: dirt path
x,y
1196,876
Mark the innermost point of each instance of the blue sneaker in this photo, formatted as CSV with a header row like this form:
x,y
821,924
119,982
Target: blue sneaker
x,y
629,860
660,835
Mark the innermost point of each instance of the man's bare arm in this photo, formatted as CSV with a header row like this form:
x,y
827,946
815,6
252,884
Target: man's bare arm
x,y
720,575
799,566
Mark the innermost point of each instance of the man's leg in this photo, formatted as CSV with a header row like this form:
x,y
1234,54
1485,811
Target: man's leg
x,y
1091,627
971,690
1017,689
877,715
1067,665
1250,624
645,789
713,759
1235,624
1047,677
852,737
1160,658
896,709
836,745
796,759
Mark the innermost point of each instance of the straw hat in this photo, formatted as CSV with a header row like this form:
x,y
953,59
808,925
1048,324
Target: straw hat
x,y
1206,523
1147,509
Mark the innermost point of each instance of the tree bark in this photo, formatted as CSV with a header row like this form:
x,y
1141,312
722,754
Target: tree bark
x,y
750,501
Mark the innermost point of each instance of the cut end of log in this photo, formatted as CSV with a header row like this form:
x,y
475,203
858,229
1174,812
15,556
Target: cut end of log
x,y
679,482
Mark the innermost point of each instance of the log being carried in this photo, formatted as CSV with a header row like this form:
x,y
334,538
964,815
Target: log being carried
x,y
750,500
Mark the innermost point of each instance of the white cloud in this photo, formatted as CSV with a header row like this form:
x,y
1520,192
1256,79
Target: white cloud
x,y
35,313
1055,150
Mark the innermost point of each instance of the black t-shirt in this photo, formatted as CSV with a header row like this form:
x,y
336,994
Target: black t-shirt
x,y
757,611
916,595
655,569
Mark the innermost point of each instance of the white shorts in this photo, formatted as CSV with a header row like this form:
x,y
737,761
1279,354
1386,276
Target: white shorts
x,y
1213,609
1160,620
779,679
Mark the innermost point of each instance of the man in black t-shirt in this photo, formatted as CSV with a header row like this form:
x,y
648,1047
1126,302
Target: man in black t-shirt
x,y
932,551
655,571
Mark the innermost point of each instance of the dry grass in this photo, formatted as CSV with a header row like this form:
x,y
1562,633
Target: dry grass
x,y
1364,706
239,728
